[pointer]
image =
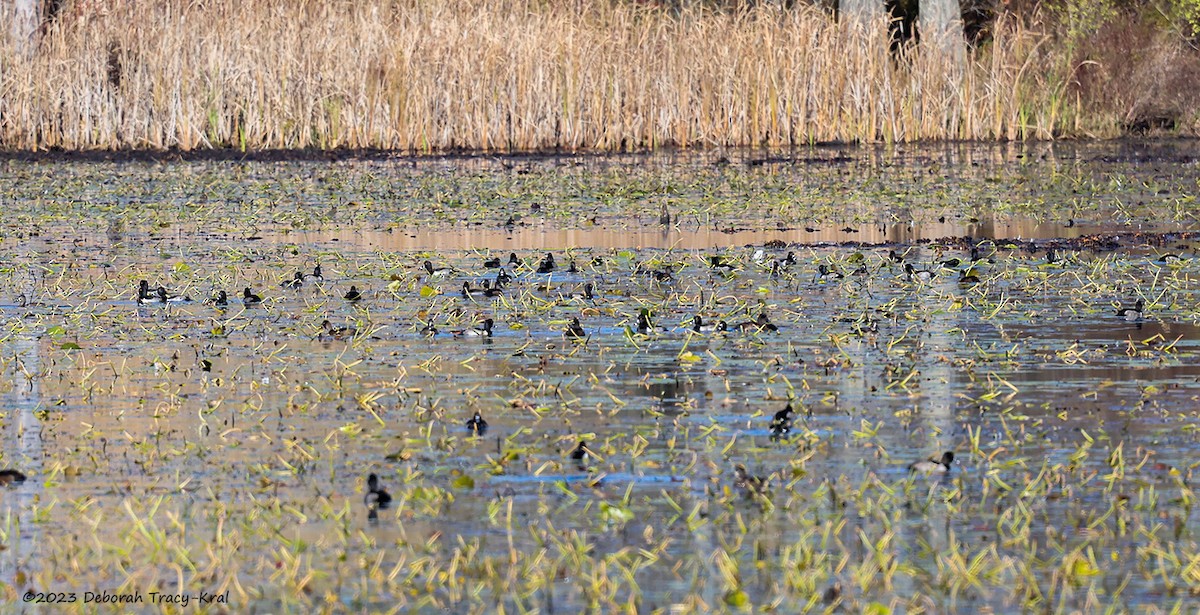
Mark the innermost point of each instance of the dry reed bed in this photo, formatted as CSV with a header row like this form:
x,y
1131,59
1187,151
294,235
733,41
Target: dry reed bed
x,y
425,75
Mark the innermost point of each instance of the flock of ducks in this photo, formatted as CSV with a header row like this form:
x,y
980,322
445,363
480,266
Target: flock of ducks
x,y
376,498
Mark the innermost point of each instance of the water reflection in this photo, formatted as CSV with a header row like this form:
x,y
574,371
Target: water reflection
x,y
544,237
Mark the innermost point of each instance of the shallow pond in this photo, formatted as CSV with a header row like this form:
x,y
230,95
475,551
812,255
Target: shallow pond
x,y
187,448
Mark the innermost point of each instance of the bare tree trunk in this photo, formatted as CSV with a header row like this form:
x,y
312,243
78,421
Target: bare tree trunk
x,y
941,27
861,11
24,23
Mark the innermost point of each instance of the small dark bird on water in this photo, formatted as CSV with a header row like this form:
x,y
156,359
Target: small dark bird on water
x,y
643,323
588,288
352,295
483,330
492,263
376,497
832,593
924,275
1132,313
296,282
933,466
316,274
575,330
582,455
718,262
753,487
781,424
221,300
547,264
250,299
699,327
825,274
477,424
337,333
758,325
435,273
8,477
468,292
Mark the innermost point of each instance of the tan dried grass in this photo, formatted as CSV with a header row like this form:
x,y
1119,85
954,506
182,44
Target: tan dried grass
x,y
502,75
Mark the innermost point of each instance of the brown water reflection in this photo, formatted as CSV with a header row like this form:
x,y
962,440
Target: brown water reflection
x,y
548,237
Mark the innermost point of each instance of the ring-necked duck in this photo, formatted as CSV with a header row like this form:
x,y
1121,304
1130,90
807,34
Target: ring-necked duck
x,y
352,295
491,263
923,275
933,466
337,333
250,299
477,425
1132,313
163,297
574,330
468,292
967,276
316,274
514,261
761,323
162,292
752,486
547,264
582,455
484,330
699,327
825,274
718,262
492,291
487,291
158,296
895,258
153,298
586,294
503,277
221,300
376,497
781,423
296,282
643,323
8,477
438,272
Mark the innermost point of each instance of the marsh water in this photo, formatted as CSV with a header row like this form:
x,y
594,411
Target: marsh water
x,y
189,447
